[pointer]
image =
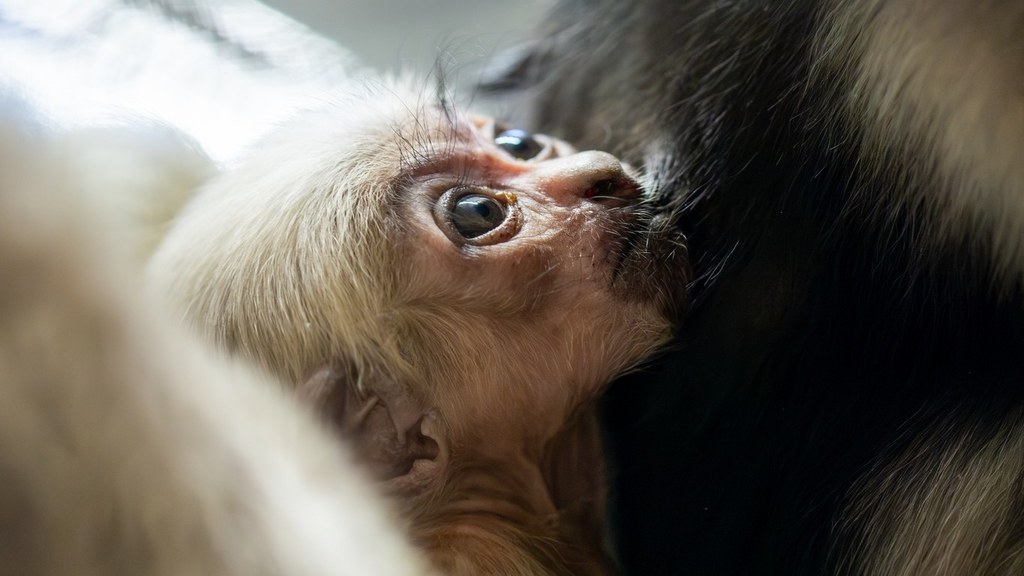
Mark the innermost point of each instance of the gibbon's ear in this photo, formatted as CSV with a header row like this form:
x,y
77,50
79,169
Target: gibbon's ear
x,y
401,440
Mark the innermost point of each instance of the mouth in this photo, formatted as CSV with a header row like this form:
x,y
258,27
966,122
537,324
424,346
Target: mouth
x,y
649,258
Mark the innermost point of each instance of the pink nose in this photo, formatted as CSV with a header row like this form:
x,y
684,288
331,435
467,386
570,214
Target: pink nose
x,y
593,176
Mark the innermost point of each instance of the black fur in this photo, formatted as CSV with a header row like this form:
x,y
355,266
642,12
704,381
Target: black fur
x,y
833,322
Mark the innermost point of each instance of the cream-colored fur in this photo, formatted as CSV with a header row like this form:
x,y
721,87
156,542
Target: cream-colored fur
x,y
137,176
942,507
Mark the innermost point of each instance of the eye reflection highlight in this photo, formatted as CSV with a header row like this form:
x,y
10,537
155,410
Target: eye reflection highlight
x,y
477,214
520,144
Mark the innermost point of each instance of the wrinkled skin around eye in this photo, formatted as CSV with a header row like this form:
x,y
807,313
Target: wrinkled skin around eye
x,y
519,144
477,214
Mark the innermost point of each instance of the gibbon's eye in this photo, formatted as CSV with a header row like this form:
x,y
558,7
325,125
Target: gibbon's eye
x,y
478,215
520,144
474,215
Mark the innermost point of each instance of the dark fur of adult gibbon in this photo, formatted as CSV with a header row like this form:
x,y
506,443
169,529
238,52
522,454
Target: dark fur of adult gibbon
x,y
846,395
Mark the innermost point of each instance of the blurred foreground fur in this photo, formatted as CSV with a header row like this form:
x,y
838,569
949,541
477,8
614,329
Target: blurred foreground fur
x,y
125,448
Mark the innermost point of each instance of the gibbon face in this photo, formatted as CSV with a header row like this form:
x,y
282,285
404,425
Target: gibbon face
x,y
533,249
497,277
451,294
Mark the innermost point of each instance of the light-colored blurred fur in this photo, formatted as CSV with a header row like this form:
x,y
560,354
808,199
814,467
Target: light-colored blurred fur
x,y
125,448
137,175
936,87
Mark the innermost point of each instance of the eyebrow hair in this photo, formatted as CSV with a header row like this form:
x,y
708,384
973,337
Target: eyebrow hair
x,y
431,160
430,150
430,147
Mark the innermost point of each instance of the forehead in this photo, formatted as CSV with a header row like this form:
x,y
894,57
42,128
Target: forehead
x,y
371,142
430,136
396,142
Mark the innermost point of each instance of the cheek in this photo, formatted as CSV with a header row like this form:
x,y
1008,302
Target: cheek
x,y
559,261
501,279
572,236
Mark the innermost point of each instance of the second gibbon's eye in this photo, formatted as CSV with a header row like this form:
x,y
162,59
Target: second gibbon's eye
x,y
520,144
474,215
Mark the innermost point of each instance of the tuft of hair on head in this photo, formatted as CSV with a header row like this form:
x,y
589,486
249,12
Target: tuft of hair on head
x,y
288,257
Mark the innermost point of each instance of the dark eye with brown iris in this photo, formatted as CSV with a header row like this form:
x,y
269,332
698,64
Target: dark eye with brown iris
x,y
476,214
519,143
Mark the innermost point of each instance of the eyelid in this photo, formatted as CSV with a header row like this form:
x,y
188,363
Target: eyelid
x,y
547,151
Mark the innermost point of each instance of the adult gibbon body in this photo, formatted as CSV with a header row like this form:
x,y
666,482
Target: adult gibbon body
x,y
846,396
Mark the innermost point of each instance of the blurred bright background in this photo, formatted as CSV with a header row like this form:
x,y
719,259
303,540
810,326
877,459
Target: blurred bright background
x,y
388,34
225,71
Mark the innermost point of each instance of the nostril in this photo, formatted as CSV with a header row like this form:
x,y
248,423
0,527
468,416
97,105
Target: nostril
x,y
612,189
600,188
